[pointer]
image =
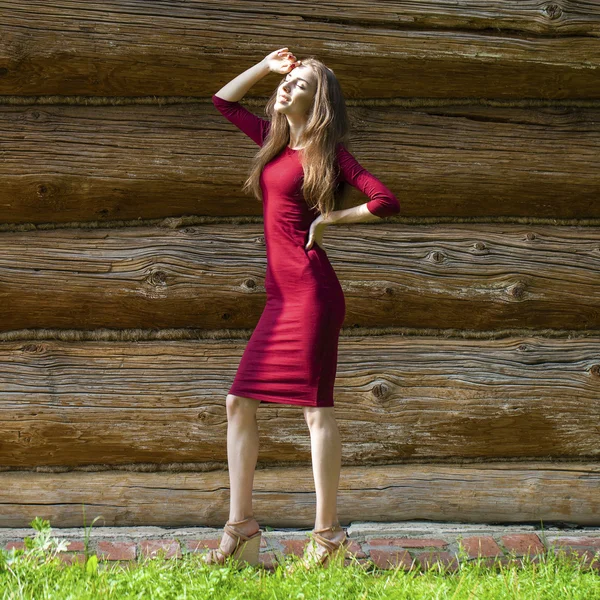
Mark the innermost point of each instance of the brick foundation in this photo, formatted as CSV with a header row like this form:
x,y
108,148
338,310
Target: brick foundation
x,y
385,546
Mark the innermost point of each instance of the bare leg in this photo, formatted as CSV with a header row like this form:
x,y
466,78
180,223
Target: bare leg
x,y
326,450
242,454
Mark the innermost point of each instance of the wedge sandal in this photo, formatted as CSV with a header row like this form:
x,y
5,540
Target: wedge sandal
x,y
246,548
335,551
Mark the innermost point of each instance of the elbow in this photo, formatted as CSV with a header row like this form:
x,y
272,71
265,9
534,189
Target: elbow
x,y
394,204
382,208
391,207
217,100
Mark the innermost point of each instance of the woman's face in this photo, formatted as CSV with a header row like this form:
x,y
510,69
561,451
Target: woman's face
x,y
296,94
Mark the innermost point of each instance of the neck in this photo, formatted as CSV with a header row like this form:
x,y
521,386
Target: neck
x,y
297,127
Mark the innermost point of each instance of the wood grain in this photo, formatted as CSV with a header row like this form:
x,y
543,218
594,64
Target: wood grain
x,y
504,492
476,277
108,163
190,48
113,403
464,110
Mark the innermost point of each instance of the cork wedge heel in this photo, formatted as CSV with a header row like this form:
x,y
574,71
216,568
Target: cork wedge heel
x,y
245,551
326,552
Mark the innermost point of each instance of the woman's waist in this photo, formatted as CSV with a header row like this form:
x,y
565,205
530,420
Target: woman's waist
x,y
294,253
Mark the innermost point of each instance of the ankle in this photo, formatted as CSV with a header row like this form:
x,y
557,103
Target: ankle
x,y
240,520
249,525
330,529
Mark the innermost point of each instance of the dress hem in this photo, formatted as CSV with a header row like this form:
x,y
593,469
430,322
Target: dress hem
x,y
272,400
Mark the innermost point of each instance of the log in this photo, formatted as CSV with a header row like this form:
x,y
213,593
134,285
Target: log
x,y
72,163
161,404
474,277
508,492
500,50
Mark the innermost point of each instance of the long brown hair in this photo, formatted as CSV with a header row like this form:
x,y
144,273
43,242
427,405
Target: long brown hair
x,y
327,125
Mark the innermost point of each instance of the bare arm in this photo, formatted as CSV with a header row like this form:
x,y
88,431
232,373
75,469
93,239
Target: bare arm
x,y
237,88
356,214
279,61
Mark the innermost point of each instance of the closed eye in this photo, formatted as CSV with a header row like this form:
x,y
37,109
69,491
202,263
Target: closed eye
x,y
302,86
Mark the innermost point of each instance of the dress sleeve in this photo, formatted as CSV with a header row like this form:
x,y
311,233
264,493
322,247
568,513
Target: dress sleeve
x,y
382,202
254,127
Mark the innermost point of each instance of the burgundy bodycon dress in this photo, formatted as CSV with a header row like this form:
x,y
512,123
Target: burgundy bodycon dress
x,y
291,357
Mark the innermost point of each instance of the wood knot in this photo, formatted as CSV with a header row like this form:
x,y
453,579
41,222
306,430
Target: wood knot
x,y
554,11
530,236
380,391
436,256
189,230
389,291
250,283
225,316
517,290
3,71
157,278
595,370
34,348
479,246
260,239
42,189
522,347
202,416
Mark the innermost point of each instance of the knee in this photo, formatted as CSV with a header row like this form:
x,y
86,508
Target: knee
x,y
319,418
239,407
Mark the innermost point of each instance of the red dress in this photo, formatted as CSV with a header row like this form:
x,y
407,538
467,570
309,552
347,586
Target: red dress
x,y
291,357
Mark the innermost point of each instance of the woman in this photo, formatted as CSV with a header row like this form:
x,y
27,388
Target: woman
x,y
300,173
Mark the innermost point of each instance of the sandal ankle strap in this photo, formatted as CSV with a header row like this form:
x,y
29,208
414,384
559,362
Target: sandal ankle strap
x,y
236,534
242,521
329,544
336,527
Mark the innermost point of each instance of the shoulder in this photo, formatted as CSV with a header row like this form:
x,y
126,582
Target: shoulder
x,y
342,150
343,155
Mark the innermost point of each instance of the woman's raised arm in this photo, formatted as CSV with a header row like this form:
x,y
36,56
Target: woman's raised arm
x,y
224,101
278,61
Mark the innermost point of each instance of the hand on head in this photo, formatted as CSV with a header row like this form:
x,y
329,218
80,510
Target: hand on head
x,y
281,61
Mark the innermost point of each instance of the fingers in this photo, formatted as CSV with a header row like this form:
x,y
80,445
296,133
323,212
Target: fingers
x,y
284,52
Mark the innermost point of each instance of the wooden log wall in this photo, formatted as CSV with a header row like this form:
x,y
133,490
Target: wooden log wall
x,y
132,266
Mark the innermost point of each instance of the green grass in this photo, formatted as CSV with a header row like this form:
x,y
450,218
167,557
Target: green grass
x,y
37,573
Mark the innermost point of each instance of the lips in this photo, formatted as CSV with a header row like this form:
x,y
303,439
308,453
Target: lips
x,y
284,98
